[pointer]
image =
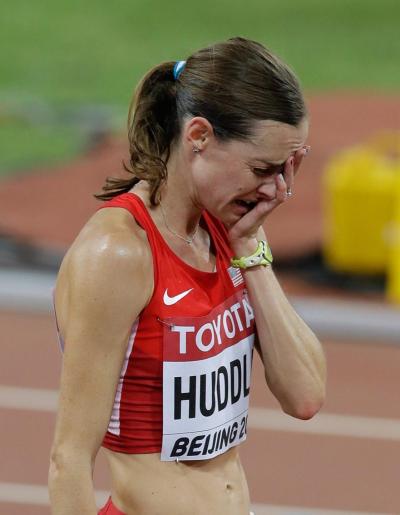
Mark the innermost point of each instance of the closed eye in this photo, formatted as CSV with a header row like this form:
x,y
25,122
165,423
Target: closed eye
x,y
269,171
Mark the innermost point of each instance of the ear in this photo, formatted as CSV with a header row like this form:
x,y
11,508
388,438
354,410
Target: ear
x,y
198,132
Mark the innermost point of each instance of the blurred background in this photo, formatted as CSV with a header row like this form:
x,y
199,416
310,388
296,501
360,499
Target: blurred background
x,y
68,71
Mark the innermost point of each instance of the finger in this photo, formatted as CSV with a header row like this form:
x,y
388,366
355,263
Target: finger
x,y
281,186
249,224
299,156
289,175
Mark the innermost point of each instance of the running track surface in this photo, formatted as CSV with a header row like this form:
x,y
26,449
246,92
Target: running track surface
x,y
349,463
343,462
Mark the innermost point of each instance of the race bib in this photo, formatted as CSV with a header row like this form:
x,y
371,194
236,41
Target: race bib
x,y
206,381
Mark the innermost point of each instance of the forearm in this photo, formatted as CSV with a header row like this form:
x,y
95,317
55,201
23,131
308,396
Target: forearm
x,y
293,358
71,487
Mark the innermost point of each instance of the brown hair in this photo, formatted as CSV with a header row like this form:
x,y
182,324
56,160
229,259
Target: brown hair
x,y
231,84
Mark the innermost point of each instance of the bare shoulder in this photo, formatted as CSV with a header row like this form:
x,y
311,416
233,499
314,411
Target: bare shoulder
x,y
111,234
109,264
104,283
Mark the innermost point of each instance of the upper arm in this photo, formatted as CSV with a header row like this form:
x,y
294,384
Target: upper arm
x,y
103,286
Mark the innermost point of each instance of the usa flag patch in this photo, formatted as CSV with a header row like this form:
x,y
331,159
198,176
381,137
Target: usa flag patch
x,y
235,275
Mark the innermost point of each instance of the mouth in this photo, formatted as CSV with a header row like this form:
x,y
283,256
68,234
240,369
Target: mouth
x,y
248,204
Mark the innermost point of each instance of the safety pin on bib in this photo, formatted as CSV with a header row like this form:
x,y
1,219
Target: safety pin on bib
x,y
171,326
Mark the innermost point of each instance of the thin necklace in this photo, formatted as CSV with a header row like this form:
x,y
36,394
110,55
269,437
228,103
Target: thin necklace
x,y
187,239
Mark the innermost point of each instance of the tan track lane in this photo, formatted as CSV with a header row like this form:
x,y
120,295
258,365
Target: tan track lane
x,y
298,469
284,468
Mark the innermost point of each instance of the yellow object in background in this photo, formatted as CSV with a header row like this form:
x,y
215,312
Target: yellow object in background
x,y
362,210
393,282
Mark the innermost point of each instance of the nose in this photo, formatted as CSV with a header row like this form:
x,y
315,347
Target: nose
x,y
267,188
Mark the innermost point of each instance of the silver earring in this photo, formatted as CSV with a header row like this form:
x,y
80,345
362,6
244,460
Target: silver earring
x,y
196,150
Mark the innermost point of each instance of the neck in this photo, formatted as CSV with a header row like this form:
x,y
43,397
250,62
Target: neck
x,y
179,208
186,238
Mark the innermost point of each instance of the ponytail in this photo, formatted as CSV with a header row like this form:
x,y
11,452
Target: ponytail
x,y
152,127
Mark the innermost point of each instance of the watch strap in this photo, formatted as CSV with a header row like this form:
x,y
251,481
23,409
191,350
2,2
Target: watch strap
x,y
262,256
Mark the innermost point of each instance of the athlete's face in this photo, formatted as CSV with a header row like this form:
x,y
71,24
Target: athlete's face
x,y
226,175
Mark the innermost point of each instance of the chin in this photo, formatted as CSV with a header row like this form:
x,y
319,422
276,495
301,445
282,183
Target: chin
x,y
224,214
228,219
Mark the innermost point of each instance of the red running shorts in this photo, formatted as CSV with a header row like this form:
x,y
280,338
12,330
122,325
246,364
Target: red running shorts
x,y
110,509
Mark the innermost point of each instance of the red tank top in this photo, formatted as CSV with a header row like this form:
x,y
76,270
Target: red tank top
x,y
184,384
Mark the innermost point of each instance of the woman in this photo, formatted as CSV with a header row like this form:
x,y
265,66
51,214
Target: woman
x,y
168,286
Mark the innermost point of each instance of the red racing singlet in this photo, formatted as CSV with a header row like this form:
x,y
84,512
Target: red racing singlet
x,y
184,384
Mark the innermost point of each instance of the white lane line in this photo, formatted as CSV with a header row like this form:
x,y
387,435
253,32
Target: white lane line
x,y
13,397
269,509
350,320
37,495
326,424
27,290
35,399
24,494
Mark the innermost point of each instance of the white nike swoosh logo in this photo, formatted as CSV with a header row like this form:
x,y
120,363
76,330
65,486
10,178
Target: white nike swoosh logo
x,y
176,298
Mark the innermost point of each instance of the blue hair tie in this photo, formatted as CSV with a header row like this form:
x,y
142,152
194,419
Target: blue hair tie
x,y
178,68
